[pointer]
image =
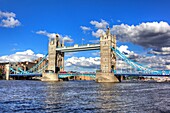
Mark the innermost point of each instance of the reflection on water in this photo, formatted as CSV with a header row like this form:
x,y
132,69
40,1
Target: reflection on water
x,y
84,96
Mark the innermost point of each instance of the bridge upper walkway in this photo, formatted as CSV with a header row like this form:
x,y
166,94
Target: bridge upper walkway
x,y
76,48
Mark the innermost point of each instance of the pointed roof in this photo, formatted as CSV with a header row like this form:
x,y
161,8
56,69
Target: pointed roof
x,y
108,31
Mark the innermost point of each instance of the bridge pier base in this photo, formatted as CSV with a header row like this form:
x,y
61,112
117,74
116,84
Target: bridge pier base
x,y
106,77
7,71
51,77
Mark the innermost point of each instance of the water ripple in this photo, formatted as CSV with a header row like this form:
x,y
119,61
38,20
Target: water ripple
x,y
84,96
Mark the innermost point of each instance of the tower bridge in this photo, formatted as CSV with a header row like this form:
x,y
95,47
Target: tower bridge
x,y
108,54
108,57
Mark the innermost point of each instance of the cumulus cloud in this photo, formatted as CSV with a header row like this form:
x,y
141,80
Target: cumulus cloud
x,y
100,25
27,55
45,33
148,35
7,14
124,49
53,35
67,39
101,28
98,33
84,28
160,51
153,62
7,19
83,62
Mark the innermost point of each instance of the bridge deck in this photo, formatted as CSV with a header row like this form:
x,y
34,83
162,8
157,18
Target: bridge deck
x,y
26,75
61,75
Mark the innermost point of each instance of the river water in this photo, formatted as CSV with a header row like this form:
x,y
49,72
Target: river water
x,y
84,96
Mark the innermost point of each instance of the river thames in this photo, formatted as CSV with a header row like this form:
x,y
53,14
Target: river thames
x,y
84,96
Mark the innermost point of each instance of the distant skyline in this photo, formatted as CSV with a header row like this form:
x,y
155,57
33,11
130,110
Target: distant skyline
x,y
141,26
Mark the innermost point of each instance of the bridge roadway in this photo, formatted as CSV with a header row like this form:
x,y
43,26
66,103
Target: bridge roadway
x,y
61,75
76,48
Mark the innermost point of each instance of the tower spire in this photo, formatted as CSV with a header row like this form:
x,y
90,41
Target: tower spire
x,y
108,31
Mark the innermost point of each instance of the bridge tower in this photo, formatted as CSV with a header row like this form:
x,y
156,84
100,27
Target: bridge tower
x,y
55,60
108,58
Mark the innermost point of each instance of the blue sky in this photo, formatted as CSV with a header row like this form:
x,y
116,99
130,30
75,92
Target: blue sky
x,y
66,16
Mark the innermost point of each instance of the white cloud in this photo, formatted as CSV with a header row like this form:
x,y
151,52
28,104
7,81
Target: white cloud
x,y
160,51
124,49
45,33
148,35
7,19
101,28
53,35
98,33
7,14
154,62
83,62
10,22
27,55
100,25
42,32
67,39
84,28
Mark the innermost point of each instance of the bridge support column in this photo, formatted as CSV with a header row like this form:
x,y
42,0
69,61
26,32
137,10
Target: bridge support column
x,y
7,70
106,77
51,74
108,58
50,77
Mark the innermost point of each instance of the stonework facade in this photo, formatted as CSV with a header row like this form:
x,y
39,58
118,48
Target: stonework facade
x,y
108,58
56,58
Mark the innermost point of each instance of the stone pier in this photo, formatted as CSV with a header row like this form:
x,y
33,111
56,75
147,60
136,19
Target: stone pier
x,y
106,77
7,70
50,77
107,58
55,60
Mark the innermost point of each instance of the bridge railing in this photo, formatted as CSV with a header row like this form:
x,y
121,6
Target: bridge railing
x,y
64,75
